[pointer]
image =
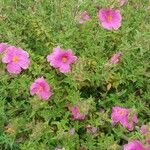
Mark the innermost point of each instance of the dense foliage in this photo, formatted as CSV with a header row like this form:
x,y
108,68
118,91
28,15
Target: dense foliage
x,y
37,26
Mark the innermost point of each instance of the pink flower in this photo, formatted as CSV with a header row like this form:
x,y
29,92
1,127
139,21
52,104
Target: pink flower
x,y
144,129
119,114
110,19
122,2
16,60
84,17
76,114
122,116
61,59
115,59
3,47
41,88
134,145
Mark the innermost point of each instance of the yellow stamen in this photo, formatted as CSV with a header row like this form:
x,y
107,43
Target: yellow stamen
x,y
121,112
64,59
109,18
15,59
40,89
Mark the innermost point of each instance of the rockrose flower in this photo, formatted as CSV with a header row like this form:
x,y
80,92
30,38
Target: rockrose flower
x,y
135,145
76,114
61,59
16,59
3,47
115,59
41,88
122,2
110,19
84,17
122,116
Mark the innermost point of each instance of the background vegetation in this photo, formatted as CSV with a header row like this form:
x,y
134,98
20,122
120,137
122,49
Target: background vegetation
x,y
39,25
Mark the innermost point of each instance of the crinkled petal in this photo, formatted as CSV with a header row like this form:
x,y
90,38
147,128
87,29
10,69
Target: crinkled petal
x,y
24,62
7,58
3,47
65,68
34,88
13,68
45,95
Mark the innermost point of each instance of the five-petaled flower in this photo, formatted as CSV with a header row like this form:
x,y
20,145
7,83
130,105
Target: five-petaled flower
x,y
16,59
62,59
110,18
41,88
122,116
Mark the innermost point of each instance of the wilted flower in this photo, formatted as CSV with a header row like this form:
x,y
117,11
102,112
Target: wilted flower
x,y
84,17
91,129
76,114
122,116
72,131
41,88
135,145
144,129
16,59
3,47
61,59
115,58
122,2
59,148
110,19
148,140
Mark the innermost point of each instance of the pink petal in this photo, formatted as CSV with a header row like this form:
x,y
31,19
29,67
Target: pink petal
x,y
24,62
6,59
13,68
45,95
122,2
3,47
34,88
135,119
64,68
81,21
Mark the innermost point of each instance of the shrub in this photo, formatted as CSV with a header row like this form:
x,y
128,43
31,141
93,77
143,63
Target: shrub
x,y
94,84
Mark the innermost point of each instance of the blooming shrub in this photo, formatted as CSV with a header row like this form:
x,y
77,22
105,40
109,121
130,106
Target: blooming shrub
x,y
74,75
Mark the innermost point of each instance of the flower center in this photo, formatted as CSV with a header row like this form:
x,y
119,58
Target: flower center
x,y
64,59
121,112
15,59
109,18
40,89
